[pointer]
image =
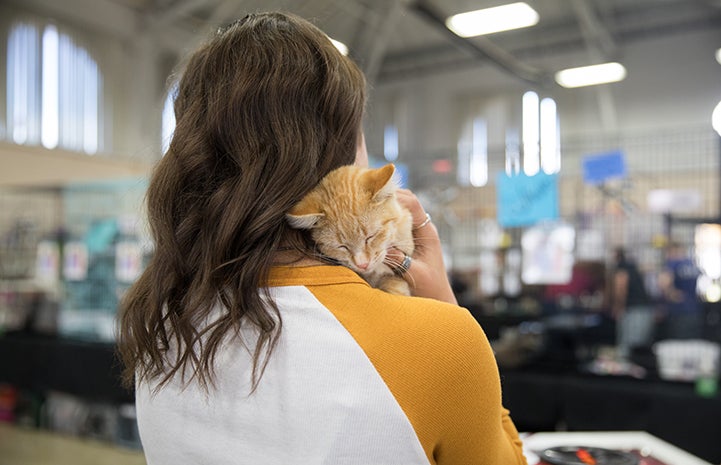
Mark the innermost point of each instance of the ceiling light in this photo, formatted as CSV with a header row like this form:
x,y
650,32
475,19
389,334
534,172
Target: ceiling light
x,y
591,75
718,55
490,20
342,48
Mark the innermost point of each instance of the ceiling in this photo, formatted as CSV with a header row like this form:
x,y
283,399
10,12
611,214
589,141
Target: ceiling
x,y
399,38
395,39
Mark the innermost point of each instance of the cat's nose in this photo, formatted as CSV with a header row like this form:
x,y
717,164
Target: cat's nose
x,y
361,260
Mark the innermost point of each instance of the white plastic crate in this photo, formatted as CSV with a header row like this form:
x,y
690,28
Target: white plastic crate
x,y
687,360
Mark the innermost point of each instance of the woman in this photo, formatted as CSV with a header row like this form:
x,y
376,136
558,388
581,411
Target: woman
x,y
246,349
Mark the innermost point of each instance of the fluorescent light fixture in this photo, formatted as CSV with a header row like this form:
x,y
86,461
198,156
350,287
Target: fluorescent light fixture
x,y
342,48
591,75
718,56
490,20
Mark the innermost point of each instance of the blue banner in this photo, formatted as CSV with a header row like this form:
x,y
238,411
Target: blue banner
x,y
604,166
525,200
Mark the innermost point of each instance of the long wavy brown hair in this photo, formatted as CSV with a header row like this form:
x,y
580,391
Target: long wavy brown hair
x,y
263,110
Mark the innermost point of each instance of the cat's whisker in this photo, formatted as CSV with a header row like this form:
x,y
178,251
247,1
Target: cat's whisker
x,y
391,262
397,264
388,260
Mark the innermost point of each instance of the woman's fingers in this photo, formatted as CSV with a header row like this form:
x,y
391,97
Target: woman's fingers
x,y
409,200
426,273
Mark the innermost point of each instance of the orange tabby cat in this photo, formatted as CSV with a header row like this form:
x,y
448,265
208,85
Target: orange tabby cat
x,y
354,218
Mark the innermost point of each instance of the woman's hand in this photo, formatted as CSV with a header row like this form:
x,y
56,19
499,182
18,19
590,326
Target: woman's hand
x,y
427,273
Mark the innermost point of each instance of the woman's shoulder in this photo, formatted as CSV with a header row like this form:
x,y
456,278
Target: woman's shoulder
x,y
402,320
363,309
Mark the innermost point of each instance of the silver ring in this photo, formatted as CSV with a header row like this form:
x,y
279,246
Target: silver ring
x,y
405,265
425,222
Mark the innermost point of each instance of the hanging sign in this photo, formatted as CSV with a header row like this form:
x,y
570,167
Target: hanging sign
x,y
603,167
525,200
47,265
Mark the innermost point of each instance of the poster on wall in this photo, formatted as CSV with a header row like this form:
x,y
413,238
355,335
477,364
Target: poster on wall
x,y
128,261
548,253
75,265
47,264
525,200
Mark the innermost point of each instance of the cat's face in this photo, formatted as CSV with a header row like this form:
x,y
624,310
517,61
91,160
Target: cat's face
x,y
354,217
361,247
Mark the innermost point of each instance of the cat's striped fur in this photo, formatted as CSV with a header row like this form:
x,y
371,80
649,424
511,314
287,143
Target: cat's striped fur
x,y
354,218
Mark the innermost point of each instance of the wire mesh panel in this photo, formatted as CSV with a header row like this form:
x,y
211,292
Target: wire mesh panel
x,y
681,164
103,253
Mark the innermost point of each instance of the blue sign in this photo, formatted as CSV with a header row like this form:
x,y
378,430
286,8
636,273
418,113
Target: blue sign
x,y
604,166
525,200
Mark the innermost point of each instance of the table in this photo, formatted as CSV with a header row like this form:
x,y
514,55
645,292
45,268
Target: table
x,y
534,443
85,369
671,411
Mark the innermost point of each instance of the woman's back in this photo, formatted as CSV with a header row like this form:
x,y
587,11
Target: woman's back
x,y
355,378
321,368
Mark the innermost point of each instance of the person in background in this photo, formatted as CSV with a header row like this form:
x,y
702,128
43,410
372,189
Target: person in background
x,y
677,283
631,306
242,344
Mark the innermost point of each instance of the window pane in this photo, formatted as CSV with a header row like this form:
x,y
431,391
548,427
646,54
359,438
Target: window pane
x,y
49,128
54,90
23,84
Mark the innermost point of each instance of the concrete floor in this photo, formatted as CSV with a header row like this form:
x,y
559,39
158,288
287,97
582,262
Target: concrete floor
x,y
34,447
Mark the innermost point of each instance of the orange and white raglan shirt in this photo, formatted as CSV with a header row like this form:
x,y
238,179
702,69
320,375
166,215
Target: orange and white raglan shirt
x,y
358,376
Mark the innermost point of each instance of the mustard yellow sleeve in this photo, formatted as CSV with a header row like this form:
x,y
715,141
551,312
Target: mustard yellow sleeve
x,y
437,362
477,429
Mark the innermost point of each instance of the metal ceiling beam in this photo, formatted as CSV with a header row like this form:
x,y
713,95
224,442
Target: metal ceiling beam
x,y
379,41
594,32
601,46
177,10
483,48
101,15
223,13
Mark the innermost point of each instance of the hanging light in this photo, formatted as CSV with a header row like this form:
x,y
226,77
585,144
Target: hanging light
x,y
603,73
490,20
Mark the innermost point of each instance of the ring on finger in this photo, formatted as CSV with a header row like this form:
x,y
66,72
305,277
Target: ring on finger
x,y
404,266
425,222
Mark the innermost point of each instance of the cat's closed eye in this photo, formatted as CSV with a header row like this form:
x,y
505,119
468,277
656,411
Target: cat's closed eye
x,y
343,247
368,239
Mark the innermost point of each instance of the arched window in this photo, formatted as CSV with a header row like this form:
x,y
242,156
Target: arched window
x,y
23,84
168,118
54,90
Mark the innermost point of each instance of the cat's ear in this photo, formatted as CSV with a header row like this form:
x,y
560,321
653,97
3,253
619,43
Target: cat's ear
x,y
304,221
305,214
380,182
